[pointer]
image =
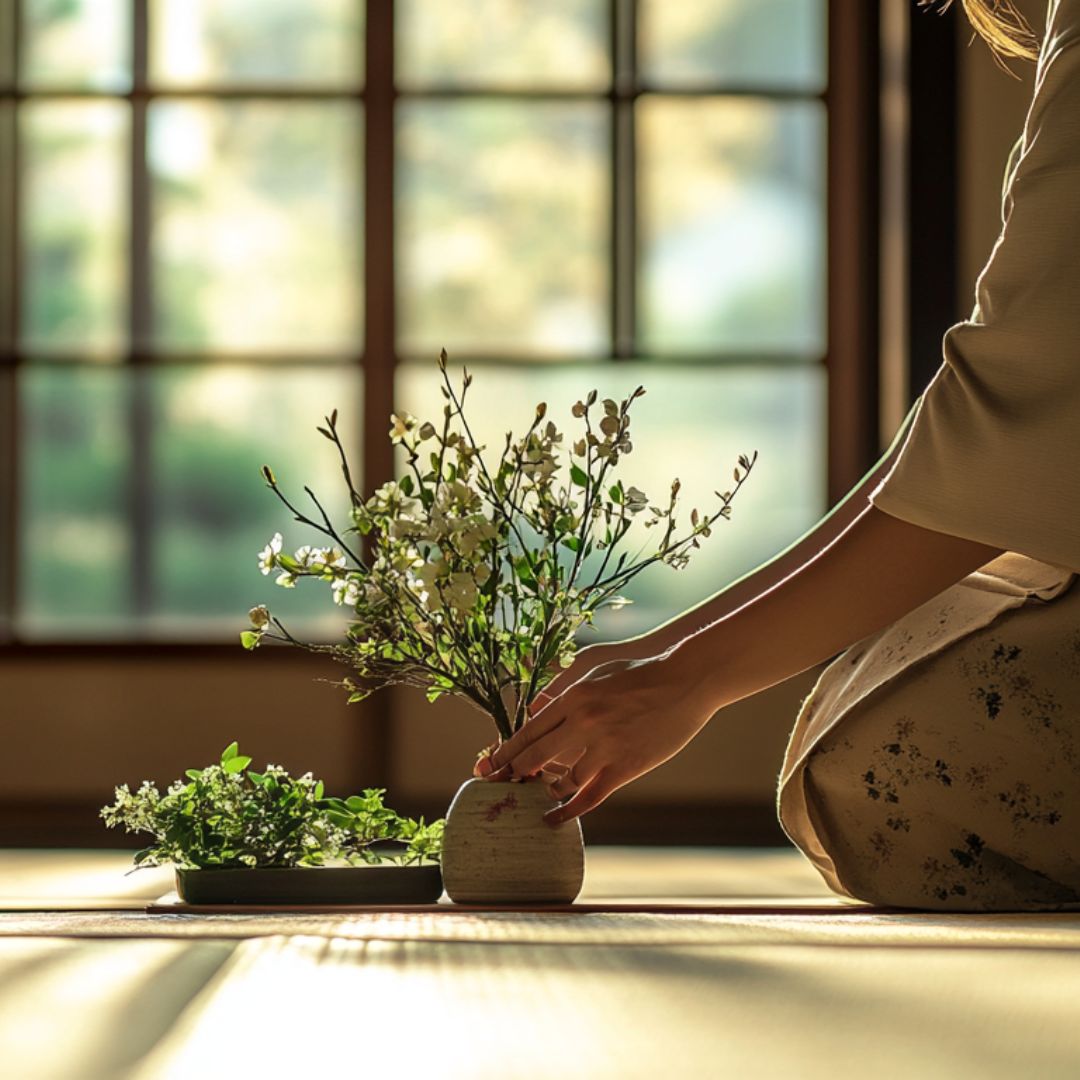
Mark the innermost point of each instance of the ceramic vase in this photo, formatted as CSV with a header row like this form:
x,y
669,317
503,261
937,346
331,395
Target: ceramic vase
x,y
498,849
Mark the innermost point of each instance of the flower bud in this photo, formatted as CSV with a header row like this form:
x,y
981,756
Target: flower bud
x,y
259,616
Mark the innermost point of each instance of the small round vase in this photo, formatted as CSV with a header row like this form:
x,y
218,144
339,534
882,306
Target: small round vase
x,y
497,848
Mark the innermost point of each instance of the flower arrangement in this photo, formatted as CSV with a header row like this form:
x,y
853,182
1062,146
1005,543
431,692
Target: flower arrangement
x,y
229,816
472,574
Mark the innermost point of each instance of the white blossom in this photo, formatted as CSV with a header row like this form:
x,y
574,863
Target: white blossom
x,y
346,591
460,591
401,426
312,557
268,555
259,616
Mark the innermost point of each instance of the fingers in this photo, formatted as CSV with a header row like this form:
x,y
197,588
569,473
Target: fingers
x,y
563,786
495,766
590,796
550,747
481,759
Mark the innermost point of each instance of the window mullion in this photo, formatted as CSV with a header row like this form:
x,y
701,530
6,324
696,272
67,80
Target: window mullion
x,y
851,217
623,179
380,306
9,319
379,281
140,478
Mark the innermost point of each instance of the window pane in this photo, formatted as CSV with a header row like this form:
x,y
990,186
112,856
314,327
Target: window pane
x,y
84,44
75,191
503,43
503,226
75,542
7,508
257,225
732,225
8,138
692,424
212,512
776,44
215,42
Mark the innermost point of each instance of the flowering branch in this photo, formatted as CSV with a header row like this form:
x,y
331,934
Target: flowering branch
x,y
468,588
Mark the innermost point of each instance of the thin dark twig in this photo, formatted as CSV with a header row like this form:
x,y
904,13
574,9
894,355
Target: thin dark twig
x,y
327,529
330,530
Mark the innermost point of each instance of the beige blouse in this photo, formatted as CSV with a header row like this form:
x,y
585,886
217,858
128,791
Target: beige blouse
x,y
993,453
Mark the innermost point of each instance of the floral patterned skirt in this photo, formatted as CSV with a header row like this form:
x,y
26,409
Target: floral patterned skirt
x,y
936,765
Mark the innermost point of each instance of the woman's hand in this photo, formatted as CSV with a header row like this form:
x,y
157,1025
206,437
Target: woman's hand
x,y
627,717
618,722
586,661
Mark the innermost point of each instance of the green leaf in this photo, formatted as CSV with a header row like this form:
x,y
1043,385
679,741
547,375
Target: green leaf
x,y
406,484
194,774
236,764
572,542
524,571
579,476
615,491
230,752
250,639
319,789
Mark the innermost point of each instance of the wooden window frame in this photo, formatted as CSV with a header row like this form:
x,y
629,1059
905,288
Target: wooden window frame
x,y
852,282
852,316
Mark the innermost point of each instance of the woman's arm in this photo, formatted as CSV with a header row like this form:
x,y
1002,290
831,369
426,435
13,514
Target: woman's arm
x,y
622,721
733,596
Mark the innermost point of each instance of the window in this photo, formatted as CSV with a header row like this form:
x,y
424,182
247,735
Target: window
x,y
227,217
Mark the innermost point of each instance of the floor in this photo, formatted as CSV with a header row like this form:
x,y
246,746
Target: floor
x,y
781,980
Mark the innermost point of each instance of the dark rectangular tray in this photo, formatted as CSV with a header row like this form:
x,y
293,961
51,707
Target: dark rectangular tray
x,y
312,885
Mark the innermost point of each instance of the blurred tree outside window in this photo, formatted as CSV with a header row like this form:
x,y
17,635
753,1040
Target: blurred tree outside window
x,y
587,193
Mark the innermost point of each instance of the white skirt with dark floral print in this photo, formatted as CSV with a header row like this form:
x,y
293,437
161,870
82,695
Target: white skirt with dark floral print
x,y
936,765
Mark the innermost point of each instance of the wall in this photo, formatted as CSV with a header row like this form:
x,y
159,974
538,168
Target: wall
x,y
75,724
992,108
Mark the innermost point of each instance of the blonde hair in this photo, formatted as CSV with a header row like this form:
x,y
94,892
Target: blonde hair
x,y
1000,25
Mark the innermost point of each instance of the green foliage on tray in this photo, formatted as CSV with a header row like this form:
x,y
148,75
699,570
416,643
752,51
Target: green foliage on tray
x,y
227,816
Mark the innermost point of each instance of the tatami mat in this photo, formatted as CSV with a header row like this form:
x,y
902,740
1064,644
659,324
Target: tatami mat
x,y
918,930
122,995
472,1012
79,880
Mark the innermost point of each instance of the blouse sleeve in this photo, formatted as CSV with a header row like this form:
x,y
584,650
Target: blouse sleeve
x,y
993,454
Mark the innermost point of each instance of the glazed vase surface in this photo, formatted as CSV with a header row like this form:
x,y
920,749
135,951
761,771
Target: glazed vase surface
x,y
498,849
